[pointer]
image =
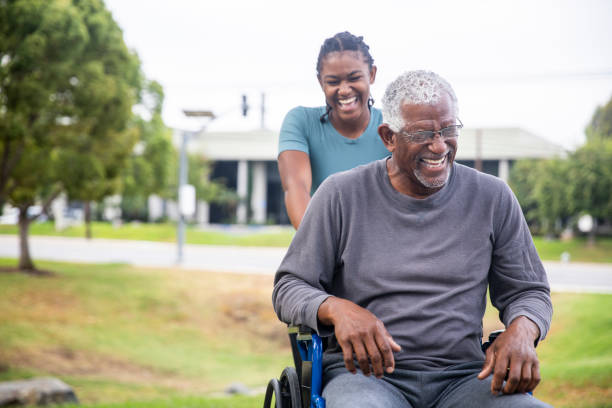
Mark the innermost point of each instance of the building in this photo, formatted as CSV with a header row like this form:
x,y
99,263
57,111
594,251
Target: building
x,y
246,161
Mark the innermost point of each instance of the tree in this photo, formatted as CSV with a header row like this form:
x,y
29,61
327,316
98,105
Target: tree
x,y
211,191
109,83
590,186
600,127
153,166
557,190
522,182
67,85
33,185
541,187
149,168
551,193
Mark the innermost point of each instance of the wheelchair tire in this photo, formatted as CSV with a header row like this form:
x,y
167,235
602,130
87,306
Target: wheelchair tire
x,y
273,389
290,388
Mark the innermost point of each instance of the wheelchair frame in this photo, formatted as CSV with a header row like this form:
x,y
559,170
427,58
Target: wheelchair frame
x,y
301,387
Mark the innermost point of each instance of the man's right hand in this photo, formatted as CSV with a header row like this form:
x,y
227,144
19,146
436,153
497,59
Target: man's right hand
x,y
361,334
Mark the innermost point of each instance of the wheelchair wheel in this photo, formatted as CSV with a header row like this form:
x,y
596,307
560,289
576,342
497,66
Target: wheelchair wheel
x,y
273,390
290,388
286,392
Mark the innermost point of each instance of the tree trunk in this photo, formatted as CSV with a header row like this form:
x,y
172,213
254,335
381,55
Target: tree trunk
x,y
592,234
88,219
25,261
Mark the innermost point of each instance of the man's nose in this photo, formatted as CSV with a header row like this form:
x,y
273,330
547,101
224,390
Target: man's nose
x,y
438,144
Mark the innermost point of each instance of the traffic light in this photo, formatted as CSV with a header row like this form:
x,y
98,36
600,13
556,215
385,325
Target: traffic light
x,y
245,105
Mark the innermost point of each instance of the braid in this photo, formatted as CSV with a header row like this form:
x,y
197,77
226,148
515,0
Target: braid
x,y
344,41
328,109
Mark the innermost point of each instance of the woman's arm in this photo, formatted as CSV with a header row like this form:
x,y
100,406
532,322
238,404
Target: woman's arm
x,y
296,178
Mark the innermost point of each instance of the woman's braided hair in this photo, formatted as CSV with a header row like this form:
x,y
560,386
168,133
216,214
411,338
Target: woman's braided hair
x,y
344,41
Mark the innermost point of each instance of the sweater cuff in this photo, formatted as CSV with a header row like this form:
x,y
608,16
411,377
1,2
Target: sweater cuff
x,y
312,310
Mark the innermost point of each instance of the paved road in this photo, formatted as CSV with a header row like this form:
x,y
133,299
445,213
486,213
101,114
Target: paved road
x,y
145,253
565,277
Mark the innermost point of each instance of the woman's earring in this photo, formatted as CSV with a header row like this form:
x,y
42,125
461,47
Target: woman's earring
x,y
370,102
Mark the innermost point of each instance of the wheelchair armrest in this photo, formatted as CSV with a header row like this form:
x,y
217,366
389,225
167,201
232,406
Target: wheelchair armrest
x,y
492,336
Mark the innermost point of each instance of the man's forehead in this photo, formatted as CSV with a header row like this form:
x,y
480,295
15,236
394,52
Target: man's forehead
x,y
443,109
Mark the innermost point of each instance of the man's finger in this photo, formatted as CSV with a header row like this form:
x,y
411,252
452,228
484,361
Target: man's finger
x,y
376,358
525,378
487,367
535,377
394,346
362,357
513,377
347,352
386,345
500,371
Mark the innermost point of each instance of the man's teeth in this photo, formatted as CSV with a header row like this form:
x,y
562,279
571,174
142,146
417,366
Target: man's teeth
x,y
347,101
434,162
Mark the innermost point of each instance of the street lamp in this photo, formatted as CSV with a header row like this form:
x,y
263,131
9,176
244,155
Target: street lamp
x,y
186,192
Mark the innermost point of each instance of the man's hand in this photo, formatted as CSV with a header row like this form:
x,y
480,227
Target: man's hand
x,y
512,356
361,333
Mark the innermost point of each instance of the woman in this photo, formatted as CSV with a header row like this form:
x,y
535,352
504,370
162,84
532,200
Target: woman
x,y
317,142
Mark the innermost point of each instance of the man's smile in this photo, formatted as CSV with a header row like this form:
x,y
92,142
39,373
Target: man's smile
x,y
434,163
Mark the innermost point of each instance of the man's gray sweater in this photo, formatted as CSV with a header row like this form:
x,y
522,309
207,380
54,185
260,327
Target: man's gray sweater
x,y
422,266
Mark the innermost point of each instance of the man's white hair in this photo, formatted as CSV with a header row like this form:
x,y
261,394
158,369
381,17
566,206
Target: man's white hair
x,y
413,87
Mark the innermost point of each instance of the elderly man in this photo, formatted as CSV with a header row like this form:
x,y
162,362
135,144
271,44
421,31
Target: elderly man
x,y
394,259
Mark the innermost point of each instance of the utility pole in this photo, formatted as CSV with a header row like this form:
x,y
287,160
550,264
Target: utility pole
x,y
478,158
186,192
182,181
263,110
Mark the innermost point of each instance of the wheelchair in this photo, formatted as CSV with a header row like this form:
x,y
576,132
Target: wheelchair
x,y
301,386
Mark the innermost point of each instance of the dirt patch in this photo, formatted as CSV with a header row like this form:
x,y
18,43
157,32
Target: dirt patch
x,y
65,361
41,273
253,314
238,305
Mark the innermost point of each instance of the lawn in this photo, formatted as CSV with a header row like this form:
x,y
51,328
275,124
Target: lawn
x,y
166,232
549,250
577,248
118,333
140,337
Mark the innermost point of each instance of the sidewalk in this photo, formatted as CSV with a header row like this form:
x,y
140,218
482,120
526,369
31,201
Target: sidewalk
x,y
563,277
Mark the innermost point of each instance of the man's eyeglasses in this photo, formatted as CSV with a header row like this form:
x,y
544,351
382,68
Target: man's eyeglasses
x,y
427,136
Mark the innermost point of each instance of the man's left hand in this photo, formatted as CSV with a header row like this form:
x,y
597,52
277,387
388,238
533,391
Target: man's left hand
x,y
512,357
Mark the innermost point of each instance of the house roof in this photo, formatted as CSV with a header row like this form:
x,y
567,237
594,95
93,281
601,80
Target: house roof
x,y
496,144
505,143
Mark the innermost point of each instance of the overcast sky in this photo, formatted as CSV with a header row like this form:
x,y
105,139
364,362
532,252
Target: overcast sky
x,y
540,65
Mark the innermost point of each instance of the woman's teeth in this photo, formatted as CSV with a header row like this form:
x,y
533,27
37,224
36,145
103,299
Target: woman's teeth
x,y
347,101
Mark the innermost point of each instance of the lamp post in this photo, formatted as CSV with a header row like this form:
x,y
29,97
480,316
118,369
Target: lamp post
x,y
186,192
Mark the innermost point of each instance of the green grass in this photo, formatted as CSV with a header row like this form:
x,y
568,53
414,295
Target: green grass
x,y
127,333
163,233
576,358
579,348
578,249
135,337
185,402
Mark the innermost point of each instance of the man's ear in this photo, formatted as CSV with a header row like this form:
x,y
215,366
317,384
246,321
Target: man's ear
x,y
387,136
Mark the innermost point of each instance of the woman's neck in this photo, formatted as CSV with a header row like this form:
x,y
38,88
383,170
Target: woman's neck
x,y
352,129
